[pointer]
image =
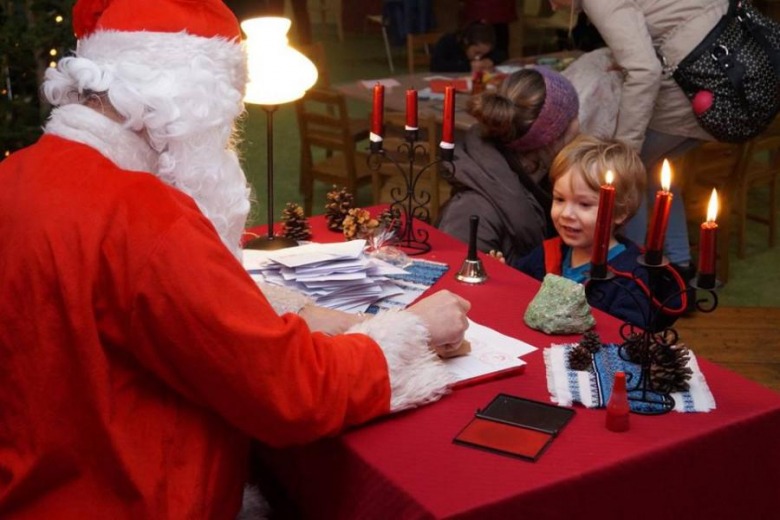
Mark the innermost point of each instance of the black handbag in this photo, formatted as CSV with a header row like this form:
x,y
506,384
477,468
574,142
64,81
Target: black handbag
x,y
733,76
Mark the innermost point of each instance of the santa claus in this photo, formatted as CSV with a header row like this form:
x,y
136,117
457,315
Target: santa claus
x,y
137,357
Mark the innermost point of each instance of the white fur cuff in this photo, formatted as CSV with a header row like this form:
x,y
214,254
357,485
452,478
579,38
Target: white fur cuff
x,y
253,505
284,300
417,375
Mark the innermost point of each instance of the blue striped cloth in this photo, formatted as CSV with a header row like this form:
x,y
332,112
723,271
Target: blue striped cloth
x,y
421,275
593,387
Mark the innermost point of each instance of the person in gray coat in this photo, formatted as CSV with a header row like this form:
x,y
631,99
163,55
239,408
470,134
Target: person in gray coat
x,y
502,166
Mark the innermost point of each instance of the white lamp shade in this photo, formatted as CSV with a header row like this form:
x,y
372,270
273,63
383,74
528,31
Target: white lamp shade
x,y
277,72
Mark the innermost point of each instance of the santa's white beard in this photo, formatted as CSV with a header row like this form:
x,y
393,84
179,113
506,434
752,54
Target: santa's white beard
x,y
213,177
203,165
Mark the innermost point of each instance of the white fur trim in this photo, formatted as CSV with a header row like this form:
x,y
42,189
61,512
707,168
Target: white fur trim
x,y
417,375
118,144
165,51
284,300
253,505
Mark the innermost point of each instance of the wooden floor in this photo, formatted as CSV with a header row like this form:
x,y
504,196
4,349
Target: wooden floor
x,y
744,339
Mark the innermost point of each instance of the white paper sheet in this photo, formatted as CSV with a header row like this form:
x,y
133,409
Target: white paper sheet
x,y
315,253
387,82
491,352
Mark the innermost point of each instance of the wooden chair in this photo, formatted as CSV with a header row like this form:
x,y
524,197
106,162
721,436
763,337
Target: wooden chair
x,y
358,127
324,125
760,166
389,178
734,169
335,6
418,49
538,17
378,19
712,165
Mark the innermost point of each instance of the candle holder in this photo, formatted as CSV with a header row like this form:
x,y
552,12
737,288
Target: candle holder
x,y
654,338
410,202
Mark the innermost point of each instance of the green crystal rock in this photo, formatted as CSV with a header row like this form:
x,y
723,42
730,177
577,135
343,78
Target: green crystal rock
x,y
560,307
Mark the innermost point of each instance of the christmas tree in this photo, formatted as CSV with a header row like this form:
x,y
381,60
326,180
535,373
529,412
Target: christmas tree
x,y
34,35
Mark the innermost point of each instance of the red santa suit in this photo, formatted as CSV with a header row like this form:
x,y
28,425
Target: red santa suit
x,y
137,357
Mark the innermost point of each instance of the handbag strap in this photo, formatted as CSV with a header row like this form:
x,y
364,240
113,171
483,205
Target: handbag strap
x,y
759,33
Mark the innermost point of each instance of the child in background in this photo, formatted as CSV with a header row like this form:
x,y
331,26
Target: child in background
x,y
576,174
469,50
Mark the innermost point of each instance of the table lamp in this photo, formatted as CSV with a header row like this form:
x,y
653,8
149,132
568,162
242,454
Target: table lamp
x,y
277,74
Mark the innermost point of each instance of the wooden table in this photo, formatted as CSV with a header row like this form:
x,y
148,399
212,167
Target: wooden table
x,y
395,97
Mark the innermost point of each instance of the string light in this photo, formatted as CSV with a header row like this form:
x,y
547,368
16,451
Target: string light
x,y
58,19
3,92
52,64
7,153
53,52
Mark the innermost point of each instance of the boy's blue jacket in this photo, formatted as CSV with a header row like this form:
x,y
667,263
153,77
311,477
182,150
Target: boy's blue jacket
x,y
622,297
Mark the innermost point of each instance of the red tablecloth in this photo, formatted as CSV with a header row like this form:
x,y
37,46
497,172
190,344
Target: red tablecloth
x,y
722,464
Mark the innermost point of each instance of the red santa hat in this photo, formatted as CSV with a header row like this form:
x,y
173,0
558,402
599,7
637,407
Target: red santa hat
x,y
205,18
163,34
175,71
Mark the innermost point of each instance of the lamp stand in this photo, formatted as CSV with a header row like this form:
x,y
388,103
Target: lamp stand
x,y
270,241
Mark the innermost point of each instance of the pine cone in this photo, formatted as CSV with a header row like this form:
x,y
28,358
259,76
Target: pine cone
x,y
580,358
591,342
358,224
669,370
668,379
338,204
390,219
633,347
295,225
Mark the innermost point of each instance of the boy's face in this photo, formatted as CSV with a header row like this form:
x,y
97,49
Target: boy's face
x,y
574,210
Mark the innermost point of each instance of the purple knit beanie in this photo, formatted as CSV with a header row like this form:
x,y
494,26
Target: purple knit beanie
x,y
561,106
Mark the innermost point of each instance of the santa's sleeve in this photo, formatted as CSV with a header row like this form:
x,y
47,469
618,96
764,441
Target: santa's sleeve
x,y
201,324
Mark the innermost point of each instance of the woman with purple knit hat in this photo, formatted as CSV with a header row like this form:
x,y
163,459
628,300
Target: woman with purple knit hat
x,y
503,163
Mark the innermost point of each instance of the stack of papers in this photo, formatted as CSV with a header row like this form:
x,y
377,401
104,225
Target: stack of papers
x,y
338,276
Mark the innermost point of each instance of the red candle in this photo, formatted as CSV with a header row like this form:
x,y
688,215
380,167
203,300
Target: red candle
x,y
660,218
377,116
603,222
448,126
411,109
708,238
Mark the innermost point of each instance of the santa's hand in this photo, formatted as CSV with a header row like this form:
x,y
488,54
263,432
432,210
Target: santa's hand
x,y
444,315
451,351
328,321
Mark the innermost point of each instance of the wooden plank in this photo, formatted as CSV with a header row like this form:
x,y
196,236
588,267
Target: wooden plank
x,y
743,339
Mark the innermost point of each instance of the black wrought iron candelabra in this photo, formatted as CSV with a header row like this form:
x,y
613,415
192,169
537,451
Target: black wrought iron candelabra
x,y
408,200
652,339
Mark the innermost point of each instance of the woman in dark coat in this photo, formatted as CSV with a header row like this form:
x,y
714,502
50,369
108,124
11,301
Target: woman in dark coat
x,y
502,166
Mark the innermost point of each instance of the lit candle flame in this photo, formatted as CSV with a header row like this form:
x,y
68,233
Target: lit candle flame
x,y
610,177
712,207
666,175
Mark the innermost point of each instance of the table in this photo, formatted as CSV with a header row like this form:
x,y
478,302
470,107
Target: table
x,y
395,97
723,464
